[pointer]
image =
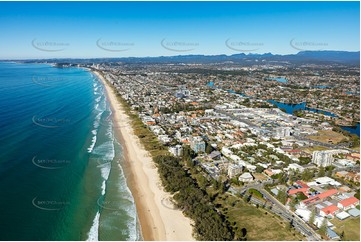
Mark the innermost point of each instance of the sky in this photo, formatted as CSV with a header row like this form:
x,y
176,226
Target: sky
x,y
140,29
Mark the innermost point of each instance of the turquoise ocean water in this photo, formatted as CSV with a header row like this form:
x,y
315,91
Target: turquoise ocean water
x,y
60,166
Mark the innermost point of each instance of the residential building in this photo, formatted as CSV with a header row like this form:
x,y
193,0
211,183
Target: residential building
x,y
176,150
234,170
325,157
198,145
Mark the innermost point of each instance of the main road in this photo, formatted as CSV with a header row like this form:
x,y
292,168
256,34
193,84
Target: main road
x,y
279,209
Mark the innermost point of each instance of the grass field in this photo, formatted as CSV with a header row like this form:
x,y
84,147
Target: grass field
x,y
259,223
259,176
328,136
350,226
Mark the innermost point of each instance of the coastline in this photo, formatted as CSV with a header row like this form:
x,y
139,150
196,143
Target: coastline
x,y
158,221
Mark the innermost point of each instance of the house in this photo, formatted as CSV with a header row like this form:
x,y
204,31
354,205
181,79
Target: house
x,y
329,211
295,191
268,172
246,177
295,167
352,176
348,203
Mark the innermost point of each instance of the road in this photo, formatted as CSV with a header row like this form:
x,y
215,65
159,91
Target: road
x,y
279,209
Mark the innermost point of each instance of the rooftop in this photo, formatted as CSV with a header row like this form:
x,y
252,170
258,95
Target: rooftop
x,y
348,201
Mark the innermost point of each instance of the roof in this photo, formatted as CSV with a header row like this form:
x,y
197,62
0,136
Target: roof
x,y
320,196
348,201
214,154
302,184
319,206
330,209
328,193
294,191
246,175
354,212
331,234
274,191
343,215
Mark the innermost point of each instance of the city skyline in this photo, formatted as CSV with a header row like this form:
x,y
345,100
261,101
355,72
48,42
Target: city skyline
x,y
145,29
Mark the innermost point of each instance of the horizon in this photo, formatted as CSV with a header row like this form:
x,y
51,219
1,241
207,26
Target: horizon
x,y
90,30
171,56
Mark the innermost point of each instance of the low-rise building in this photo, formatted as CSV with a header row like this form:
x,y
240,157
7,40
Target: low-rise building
x,y
348,203
246,177
329,211
176,150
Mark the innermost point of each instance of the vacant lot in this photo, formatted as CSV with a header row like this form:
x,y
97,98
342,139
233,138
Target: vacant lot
x,y
260,224
328,136
350,226
259,176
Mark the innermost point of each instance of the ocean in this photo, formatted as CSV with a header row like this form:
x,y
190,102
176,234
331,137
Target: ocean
x,y
61,175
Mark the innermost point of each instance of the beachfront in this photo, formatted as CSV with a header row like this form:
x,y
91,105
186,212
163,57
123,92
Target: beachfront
x,y
158,221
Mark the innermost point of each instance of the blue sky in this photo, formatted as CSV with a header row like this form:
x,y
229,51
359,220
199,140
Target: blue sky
x,y
122,29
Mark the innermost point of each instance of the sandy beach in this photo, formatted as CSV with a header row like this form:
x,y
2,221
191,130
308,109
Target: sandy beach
x,y
158,219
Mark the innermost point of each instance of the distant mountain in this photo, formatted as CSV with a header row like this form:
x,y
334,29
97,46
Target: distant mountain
x,y
303,57
327,55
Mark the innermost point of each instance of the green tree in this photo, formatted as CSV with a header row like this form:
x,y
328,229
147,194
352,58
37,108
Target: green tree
x,y
307,175
209,148
323,228
282,196
357,194
342,235
312,217
321,172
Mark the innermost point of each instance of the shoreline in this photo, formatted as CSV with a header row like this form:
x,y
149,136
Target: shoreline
x,y
157,221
